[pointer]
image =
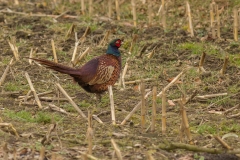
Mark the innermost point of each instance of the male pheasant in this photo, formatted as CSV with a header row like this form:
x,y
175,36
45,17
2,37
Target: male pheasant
x,y
97,74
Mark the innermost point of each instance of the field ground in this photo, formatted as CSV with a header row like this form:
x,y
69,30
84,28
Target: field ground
x,y
174,49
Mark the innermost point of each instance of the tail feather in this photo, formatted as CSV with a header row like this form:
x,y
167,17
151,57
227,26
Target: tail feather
x,y
57,67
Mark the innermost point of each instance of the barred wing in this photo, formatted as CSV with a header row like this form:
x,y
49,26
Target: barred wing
x,y
104,73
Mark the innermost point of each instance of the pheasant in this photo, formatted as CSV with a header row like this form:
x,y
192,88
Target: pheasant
x,y
97,74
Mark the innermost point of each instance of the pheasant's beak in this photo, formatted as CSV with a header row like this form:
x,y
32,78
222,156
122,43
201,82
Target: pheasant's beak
x,y
121,43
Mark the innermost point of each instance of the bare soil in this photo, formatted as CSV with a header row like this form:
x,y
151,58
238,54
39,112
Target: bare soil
x,y
68,139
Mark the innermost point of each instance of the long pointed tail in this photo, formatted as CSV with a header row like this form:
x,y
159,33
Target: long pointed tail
x,y
57,67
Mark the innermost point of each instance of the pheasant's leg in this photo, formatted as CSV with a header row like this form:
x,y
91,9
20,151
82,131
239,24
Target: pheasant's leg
x,y
98,99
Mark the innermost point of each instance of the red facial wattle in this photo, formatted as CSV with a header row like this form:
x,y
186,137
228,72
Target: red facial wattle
x,y
118,43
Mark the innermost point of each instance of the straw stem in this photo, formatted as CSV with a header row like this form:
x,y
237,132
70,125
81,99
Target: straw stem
x,y
14,50
112,105
218,23
164,114
80,57
134,39
150,13
154,106
124,73
190,19
16,2
200,67
185,124
212,19
109,8
172,82
70,30
117,9
117,150
134,13
33,90
83,7
143,106
4,75
105,38
135,109
90,8
10,126
235,24
81,40
224,144
71,101
223,70
54,51
42,153
137,81
89,135
163,11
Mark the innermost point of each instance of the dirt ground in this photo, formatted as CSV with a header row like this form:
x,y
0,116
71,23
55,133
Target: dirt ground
x,y
50,134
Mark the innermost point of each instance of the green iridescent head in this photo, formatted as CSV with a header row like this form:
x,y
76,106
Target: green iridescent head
x,y
113,47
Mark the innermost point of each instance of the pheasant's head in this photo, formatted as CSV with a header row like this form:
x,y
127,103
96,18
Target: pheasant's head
x,y
113,47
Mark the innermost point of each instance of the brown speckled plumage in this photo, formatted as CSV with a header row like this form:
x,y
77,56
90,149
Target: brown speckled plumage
x,y
97,74
108,72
